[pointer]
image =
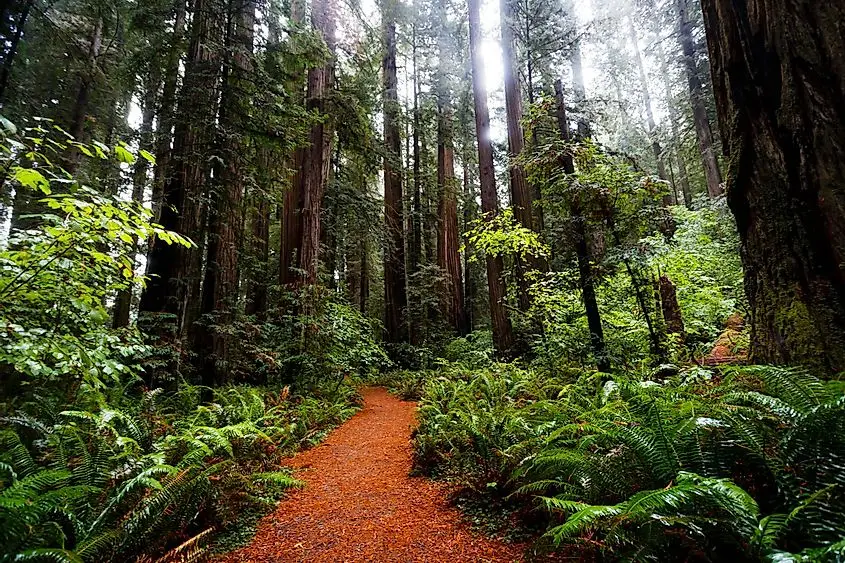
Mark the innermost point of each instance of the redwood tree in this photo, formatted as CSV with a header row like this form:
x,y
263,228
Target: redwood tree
x,y
779,79
522,197
317,154
174,271
220,284
502,332
395,296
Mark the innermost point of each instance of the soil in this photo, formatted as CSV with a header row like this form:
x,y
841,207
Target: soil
x,y
360,503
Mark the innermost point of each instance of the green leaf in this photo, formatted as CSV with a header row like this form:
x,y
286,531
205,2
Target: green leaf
x,y
32,179
124,155
148,156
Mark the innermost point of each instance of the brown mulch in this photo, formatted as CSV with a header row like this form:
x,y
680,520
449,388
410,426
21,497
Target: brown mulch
x,y
360,504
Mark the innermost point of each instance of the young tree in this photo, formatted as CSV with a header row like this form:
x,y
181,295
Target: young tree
x,y
502,333
582,246
778,69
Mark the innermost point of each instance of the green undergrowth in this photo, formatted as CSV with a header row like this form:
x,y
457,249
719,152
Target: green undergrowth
x,y
744,464
170,475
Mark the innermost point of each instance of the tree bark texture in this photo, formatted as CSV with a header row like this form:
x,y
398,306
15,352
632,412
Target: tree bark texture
x,y
173,269
317,154
220,284
779,79
395,296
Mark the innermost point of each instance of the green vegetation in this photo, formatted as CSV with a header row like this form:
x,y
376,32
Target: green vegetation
x,y
746,468
218,218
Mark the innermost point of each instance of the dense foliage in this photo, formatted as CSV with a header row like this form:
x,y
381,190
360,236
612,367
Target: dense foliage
x,y
746,466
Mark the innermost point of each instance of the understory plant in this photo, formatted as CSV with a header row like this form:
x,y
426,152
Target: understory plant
x,y
746,466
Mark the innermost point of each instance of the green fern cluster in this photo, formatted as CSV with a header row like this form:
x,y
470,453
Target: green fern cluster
x,y
156,475
747,469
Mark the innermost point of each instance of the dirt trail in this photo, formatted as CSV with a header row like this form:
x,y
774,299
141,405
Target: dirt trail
x,y
360,504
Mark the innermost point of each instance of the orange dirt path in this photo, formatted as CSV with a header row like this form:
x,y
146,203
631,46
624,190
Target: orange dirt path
x,y
360,504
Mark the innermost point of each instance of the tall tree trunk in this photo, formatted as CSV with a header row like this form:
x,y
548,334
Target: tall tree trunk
x,y
167,109
395,297
522,197
779,75
290,248
415,245
317,156
652,126
123,301
220,285
699,111
582,247
448,245
502,332
469,217
674,119
174,270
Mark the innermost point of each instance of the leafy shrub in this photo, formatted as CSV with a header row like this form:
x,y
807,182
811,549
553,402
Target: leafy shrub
x,y
151,472
741,469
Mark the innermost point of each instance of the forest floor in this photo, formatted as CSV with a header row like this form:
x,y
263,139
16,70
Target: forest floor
x,y
360,503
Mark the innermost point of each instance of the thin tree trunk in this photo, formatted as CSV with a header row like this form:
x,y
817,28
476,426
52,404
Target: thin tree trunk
x,y
257,298
650,123
778,70
11,47
699,111
415,246
395,297
582,248
123,301
502,332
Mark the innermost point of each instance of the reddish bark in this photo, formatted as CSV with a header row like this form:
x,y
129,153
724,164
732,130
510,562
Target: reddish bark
x,y
395,296
502,332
